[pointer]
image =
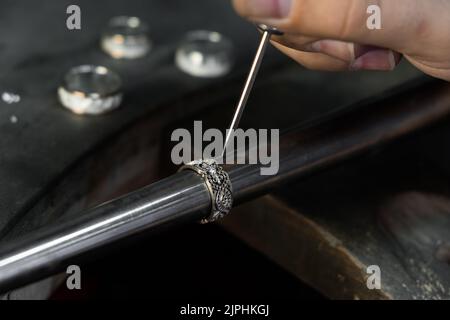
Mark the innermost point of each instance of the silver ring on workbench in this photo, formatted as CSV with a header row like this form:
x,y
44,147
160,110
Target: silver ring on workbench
x,y
90,89
126,38
219,186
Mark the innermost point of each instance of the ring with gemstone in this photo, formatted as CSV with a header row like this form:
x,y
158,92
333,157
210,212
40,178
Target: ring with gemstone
x,y
219,186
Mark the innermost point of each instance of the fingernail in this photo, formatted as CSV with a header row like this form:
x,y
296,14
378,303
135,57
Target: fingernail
x,y
269,8
360,50
316,46
334,48
376,59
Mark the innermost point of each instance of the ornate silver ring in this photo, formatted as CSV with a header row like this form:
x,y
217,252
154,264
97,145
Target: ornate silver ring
x,y
219,185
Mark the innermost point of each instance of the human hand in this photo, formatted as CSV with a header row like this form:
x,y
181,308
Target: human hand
x,y
333,34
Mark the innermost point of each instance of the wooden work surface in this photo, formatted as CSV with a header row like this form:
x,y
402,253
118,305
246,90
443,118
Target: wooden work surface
x,y
390,208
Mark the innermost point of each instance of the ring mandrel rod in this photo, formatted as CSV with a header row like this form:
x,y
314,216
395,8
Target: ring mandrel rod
x,y
184,196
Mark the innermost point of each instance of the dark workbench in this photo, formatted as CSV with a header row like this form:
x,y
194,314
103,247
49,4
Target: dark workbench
x,y
389,207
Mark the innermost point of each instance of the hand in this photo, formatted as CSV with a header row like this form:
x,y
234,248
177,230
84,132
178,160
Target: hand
x,y
333,34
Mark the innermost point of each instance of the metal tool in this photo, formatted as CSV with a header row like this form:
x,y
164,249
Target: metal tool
x,y
185,197
267,32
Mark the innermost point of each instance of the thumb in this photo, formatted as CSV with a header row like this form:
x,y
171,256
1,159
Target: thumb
x,y
345,20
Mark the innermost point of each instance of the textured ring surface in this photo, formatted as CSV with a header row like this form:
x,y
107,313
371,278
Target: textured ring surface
x,y
219,185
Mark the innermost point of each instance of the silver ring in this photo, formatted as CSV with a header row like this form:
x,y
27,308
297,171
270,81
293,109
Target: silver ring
x,y
205,54
126,38
90,89
219,186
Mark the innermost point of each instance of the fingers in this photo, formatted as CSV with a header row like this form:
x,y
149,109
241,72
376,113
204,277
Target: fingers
x,y
377,59
337,49
367,58
359,57
318,42
314,61
336,34
344,20
342,50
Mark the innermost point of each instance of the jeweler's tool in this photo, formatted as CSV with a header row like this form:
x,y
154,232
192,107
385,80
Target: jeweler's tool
x,y
267,32
184,196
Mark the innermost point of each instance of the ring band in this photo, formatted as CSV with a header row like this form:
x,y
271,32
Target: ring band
x,y
126,38
219,186
90,89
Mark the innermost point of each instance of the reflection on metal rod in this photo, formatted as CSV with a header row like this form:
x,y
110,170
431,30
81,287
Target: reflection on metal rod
x,y
184,197
178,198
